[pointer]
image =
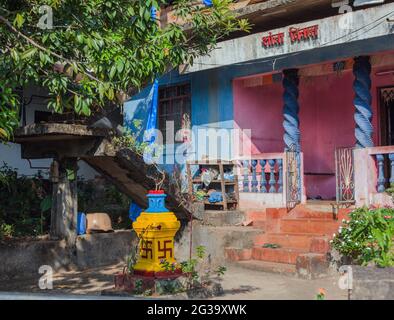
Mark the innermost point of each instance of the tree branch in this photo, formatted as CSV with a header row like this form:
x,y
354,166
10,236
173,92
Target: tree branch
x,y
40,47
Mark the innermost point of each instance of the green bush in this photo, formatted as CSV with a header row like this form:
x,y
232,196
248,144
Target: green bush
x,y
6,230
21,200
367,237
25,203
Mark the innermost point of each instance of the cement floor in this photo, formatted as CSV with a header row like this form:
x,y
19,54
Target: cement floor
x,y
238,283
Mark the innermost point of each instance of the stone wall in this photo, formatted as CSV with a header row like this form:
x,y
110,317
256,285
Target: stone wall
x,y
372,283
24,258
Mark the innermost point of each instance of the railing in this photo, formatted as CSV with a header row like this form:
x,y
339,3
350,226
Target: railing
x,y
262,173
384,157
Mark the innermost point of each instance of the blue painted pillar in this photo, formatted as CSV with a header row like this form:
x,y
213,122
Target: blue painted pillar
x,y
291,109
362,102
272,181
381,177
263,182
246,175
255,183
391,157
280,178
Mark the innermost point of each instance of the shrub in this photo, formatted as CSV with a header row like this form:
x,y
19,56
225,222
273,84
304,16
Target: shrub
x,y
6,230
21,203
367,237
198,268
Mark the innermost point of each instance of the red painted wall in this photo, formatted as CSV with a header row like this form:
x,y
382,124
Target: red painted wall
x,y
326,121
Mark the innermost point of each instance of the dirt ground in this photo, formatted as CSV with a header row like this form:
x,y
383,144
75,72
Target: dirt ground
x,y
238,283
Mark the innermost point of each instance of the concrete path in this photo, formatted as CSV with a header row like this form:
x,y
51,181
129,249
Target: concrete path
x,y
245,284
238,283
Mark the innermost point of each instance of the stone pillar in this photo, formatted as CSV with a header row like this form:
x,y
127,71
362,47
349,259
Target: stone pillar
x,y
64,200
362,102
291,109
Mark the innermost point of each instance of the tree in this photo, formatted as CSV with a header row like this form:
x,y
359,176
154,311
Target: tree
x,y
98,51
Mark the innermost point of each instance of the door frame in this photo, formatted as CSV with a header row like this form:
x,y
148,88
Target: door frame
x,y
383,114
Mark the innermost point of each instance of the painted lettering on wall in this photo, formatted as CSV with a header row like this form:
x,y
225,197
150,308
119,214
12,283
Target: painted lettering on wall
x,y
273,40
295,34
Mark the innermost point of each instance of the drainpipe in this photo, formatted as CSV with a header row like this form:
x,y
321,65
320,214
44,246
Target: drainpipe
x,y
362,102
291,108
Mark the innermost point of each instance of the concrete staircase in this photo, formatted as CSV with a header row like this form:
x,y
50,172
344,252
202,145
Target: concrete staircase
x,y
295,242
128,172
124,168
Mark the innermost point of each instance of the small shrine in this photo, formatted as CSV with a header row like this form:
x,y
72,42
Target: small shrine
x,y
156,229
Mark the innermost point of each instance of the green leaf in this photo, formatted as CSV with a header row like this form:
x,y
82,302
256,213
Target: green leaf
x,y
28,53
43,57
119,66
15,55
110,94
46,204
19,20
112,72
85,109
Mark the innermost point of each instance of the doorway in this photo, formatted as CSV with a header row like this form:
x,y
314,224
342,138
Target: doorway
x,y
386,105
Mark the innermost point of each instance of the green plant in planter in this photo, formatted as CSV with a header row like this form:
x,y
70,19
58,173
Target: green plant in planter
x,y
367,237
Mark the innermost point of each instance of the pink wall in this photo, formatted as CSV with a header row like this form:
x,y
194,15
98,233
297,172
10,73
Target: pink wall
x,y
326,121
260,109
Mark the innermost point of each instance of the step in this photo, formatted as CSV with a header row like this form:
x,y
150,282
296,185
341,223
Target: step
x,y
223,218
319,205
237,254
290,240
266,266
281,255
304,225
255,214
227,236
261,224
310,214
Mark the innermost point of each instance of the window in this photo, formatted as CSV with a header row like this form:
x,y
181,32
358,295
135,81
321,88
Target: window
x,y
175,105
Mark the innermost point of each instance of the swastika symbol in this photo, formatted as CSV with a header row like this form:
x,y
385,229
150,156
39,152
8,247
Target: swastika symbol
x,y
146,249
164,250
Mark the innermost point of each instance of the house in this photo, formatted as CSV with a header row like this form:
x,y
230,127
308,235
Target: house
x,y
306,99
302,104
318,87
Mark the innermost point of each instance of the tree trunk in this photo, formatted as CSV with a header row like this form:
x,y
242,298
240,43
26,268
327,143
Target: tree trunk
x,y
65,202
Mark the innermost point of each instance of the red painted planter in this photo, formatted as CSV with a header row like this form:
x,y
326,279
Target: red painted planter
x,y
127,282
156,192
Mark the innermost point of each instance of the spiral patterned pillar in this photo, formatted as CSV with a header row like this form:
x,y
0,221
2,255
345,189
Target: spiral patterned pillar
x,y
362,102
291,109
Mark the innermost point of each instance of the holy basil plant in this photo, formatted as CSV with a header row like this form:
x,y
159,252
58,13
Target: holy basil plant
x,y
367,237
94,53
